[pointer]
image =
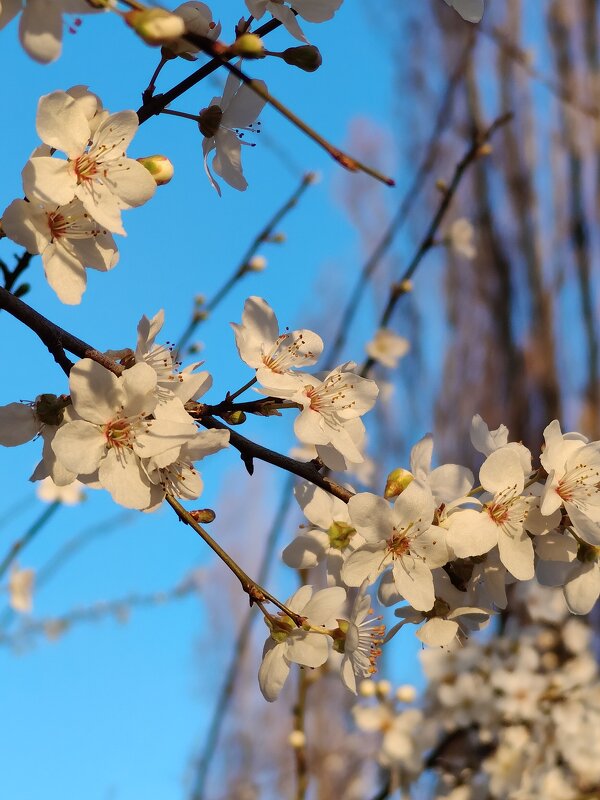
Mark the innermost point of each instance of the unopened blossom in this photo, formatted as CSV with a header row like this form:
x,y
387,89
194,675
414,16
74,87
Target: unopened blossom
x,y
502,518
272,354
387,348
198,20
68,240
97,173
70,495
573,468
471,10
41,25
401,536
113,432
331,405
460,238
288,643
330,536
20,589
222,124
310,10
361,641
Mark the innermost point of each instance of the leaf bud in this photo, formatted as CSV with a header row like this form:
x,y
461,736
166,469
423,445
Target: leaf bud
x,y
306,57
396,482
204,515
155,26
234,417
160,167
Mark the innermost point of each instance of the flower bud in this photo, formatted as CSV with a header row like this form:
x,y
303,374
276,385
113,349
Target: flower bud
x,y
204,515
256,264
383,688
159,167
297,739
396,482
155,26
248,45
367,688
406,693
306,57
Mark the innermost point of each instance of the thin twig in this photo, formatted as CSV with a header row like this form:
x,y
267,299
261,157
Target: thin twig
x,y
400,288
225,697
243,268
255,592
20,544
250,450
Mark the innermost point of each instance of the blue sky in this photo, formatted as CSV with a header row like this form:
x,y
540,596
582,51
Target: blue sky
x,y
116,710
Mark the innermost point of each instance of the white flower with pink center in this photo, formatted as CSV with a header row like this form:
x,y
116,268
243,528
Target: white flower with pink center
x,y
68,240
331,406
401,536
573,468
501,520
272,354
113,430
96,170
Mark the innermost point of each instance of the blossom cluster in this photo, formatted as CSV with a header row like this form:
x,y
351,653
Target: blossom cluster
x,y
73,205
129,434
512,716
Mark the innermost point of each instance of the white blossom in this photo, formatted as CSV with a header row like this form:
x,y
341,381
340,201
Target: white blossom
x,y
310,10
96,170
220,125
66,237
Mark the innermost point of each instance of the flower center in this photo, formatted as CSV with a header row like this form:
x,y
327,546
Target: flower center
x,y
285,353
118,433
85,168
339,535
209,121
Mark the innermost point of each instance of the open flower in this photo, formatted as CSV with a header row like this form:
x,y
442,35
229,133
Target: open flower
x,y
401,536
68,240
573,468
113,432
330,535
272,354
310,10
387,347
502,519
289,644
41,24
198,20
174,387
361,641
99,174
220,124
